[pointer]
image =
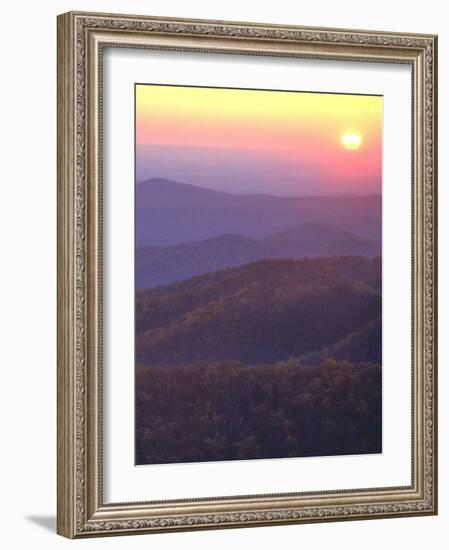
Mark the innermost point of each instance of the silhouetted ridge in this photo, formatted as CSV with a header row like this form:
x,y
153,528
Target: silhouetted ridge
x,y
169,212
157,265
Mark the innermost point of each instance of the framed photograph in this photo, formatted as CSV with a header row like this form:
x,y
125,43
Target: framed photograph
x,y
247,250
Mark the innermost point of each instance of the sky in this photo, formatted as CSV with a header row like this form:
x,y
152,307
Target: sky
x,y
257,141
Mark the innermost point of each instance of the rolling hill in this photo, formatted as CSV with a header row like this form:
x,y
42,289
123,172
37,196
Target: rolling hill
x,y
320,239
265,311
168,213
156,265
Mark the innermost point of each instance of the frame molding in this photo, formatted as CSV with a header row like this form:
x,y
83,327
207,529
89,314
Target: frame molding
x,y
81,37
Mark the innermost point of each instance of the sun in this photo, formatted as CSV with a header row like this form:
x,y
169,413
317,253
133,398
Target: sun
x,y
352,139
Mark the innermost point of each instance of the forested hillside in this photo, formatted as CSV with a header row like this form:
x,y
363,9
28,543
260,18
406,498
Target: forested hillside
x,y
265,311
232,411
156,265
273,358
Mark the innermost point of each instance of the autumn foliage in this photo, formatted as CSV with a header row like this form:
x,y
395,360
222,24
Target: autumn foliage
x,y
233,411
276,358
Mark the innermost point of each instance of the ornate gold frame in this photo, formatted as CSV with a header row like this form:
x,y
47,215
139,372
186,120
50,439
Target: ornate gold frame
x,y
81,37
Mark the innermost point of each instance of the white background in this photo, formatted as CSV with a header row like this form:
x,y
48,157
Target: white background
x,y
125,483
28,295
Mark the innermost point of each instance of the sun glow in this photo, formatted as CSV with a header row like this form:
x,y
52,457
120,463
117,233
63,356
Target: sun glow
x,y
259,139
351,140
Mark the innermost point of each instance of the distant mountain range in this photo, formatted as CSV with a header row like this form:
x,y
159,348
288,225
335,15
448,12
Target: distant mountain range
x,y
169,212
258,330
156,265
264,312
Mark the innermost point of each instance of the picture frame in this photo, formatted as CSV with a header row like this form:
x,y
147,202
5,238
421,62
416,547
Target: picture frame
x,y
82,509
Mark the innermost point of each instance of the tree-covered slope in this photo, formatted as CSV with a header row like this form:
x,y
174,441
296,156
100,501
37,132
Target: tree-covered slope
x,y
156,265
261,312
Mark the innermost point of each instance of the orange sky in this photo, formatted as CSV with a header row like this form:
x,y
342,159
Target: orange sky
x,y
295,136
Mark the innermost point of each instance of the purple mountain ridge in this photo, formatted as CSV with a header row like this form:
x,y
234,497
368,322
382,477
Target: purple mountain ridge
x,y
156,265
169,212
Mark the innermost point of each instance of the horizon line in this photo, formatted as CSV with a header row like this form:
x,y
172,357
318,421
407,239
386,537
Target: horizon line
x,y
255,194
